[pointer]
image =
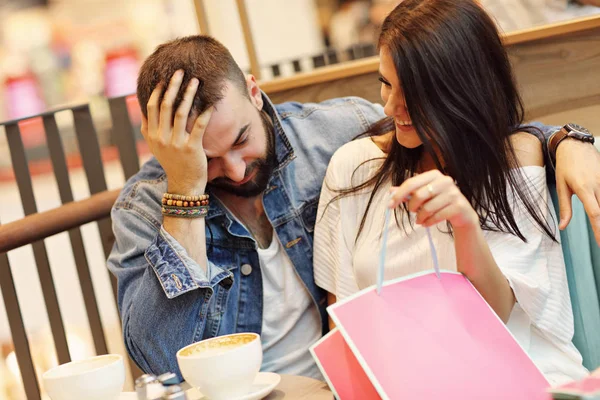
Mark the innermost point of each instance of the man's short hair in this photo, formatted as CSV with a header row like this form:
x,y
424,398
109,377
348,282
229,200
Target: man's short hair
x,y
200,57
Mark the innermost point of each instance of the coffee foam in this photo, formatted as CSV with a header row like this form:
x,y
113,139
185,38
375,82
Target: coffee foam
x,y
218,345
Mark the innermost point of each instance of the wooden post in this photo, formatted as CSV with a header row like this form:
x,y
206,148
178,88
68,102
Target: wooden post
x,y
201,16
254,66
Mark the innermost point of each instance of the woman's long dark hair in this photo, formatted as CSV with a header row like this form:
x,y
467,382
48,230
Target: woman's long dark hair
x,y
461,98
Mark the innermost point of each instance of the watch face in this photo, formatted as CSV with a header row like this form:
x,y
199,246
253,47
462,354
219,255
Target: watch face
x,y
578,129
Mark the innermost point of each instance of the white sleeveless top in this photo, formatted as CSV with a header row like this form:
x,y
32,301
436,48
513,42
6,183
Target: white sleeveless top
x,y
542,318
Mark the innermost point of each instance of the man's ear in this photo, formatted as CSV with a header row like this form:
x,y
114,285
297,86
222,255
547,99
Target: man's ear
x,y
254,92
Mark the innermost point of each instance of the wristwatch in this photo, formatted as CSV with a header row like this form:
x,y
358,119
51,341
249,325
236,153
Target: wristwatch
x,y
568,131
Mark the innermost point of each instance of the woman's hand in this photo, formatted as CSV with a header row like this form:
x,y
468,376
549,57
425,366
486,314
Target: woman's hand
x,y
435,198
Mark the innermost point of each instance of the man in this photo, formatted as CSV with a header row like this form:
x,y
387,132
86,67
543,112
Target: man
x,y
247,265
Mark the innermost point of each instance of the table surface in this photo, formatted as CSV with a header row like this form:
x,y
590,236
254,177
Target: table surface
x,y
290,388
300,388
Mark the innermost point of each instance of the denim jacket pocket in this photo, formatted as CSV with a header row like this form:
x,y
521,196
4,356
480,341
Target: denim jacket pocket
x,y
216,311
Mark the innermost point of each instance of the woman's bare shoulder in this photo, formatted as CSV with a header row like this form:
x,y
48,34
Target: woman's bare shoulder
x,y
528,149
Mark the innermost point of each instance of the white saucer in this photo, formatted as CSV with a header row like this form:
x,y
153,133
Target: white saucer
x,y
263,384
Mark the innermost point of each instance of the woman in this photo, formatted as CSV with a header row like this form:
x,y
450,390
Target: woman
x,y
449,154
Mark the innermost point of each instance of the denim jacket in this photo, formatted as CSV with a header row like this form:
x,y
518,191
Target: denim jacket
x,y
166,300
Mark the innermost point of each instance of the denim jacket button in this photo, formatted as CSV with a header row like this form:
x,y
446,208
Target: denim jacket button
x,y
246,269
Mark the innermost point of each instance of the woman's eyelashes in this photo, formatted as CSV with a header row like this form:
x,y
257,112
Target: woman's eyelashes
x,y
386,83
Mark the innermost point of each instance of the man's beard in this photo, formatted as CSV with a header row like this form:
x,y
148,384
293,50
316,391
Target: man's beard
x,y
263,168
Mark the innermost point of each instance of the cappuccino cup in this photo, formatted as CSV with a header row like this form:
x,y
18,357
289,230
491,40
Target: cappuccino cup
x,y
224,367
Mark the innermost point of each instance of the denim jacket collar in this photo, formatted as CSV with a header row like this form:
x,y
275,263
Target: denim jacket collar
x,y
283,148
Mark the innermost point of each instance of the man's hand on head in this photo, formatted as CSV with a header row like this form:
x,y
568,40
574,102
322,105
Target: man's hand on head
x,y
180,154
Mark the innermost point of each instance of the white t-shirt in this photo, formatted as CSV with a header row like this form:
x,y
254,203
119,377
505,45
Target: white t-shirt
x,y
542,318
291,320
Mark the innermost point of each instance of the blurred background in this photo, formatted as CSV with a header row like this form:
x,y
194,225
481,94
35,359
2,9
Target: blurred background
x,y
58,53
62,52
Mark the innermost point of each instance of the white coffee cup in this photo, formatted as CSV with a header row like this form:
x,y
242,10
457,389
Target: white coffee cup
x,y
95,378
224,367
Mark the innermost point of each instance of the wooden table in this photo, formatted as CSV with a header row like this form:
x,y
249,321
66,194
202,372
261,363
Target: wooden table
x,y
300,388
291,387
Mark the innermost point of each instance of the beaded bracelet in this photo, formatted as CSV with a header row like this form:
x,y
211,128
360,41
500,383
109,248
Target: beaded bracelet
x,y
190,212
177,205
170,199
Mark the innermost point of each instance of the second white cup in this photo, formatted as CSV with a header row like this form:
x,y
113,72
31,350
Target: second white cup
x,y
95,378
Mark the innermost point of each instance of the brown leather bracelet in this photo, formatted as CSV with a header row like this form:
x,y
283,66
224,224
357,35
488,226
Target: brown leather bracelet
x,y
555,140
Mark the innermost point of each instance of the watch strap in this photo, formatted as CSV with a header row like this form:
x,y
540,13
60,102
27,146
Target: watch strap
x,y
555,140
